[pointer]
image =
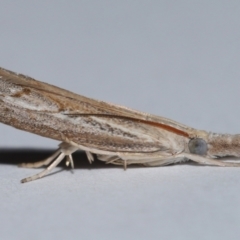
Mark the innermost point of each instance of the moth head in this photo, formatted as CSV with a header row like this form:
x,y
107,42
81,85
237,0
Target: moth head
x,y
198,146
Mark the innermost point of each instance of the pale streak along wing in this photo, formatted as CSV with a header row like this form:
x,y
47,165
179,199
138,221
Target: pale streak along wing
x,y
44,109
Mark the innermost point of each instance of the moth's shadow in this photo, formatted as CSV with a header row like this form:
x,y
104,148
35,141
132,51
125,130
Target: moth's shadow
x,y
16,156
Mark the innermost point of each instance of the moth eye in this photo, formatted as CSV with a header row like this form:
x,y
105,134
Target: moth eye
x,y
197,146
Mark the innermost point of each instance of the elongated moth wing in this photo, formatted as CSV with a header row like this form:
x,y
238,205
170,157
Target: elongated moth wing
x,y
56,113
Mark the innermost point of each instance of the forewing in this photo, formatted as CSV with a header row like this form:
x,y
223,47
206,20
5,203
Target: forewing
x,y
59,114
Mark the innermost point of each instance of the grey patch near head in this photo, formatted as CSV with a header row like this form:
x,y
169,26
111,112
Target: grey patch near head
x,y
197,146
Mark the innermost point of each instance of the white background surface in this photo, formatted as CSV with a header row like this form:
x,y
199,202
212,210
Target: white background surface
x,y
178,59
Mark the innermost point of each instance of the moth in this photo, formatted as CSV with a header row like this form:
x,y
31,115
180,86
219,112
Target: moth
x,y
116,134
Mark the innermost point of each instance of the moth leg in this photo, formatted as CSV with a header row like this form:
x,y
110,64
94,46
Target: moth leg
x,y
146,159
201,160
160,160
108,158
69,160
65,149
125,164
230,164
90,157
113,159
209,161
164,161
47,170
42,162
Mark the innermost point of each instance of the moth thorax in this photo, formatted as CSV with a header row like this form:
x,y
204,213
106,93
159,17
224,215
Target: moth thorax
x,y
198,146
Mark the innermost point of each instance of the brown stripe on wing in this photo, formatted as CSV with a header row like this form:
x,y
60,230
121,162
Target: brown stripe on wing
x,y
160,125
